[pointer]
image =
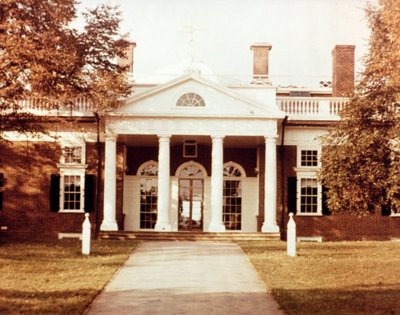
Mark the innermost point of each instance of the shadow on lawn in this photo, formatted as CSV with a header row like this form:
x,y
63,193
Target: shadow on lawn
x,y
52,302
378,299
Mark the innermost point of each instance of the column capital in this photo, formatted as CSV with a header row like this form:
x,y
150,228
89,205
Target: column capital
x,y
164,137
217,137
110,137
271,138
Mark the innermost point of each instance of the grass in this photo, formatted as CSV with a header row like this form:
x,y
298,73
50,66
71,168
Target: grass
x,y
53,277
331,278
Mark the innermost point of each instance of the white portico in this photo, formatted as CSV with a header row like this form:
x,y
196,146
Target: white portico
x,y
218,118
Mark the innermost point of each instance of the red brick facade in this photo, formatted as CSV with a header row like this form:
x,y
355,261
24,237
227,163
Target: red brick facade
x,y
27,169
331,227
260,60
343,70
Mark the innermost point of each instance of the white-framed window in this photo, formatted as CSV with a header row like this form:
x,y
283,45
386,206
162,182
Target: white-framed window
x,y
232,196
73,153
309,201
148,173
308,157
309,189
72,176
72,187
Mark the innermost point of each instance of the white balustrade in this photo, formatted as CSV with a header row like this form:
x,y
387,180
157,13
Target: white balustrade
x,y
312,107
36,106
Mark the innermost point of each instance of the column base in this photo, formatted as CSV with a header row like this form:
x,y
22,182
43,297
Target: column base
x,y
269,228
109,226
163,226
216,227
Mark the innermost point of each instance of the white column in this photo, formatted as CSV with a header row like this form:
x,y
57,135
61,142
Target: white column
x,y
270,185
217,183
110,185
163,223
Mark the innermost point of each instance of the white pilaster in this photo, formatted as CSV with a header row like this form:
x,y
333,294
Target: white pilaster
x,y
163,223
270,186
217,183
110,185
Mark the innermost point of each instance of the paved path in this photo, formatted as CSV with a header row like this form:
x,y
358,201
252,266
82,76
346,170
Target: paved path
x,y
177,278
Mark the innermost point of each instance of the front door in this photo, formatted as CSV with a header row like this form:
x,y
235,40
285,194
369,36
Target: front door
x,y
190,204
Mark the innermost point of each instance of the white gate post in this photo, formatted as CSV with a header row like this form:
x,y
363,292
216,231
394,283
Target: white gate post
x,y
291,236
86,235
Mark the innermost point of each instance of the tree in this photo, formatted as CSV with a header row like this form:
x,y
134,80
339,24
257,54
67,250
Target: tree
x,y
361,155
43,57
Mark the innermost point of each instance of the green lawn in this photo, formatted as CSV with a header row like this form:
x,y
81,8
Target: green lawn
x,y
53,277
331,278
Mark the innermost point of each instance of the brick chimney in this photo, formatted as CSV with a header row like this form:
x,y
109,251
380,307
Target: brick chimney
x,y
127,61
343,70
260,62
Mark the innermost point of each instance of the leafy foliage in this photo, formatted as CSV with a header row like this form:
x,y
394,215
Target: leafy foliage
x,y
361,156
42,56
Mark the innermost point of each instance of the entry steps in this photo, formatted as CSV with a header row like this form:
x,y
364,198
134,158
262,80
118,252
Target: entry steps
x,y
189,236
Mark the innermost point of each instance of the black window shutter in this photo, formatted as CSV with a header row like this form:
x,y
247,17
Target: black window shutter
x,y
55,193
90,192
386,209
292,194
325,209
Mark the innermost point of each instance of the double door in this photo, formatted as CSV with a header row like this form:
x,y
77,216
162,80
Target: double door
x,y
190,204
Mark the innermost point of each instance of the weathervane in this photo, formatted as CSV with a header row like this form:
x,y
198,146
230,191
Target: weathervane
x,y
189,29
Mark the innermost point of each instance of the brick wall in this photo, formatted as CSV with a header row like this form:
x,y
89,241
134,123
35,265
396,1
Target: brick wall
x,y
343,70
349,227
330,227
27,168
260,60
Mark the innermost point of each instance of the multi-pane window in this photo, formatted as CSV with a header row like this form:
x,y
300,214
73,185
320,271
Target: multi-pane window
x,y
72,193
309,189
309,196
232,203
148,195
72,155
72,173
232,207
309,158
191,100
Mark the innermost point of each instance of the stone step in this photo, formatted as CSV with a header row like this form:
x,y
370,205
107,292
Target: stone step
x,y
189,236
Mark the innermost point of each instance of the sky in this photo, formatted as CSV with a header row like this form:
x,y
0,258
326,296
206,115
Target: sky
x,y
302,34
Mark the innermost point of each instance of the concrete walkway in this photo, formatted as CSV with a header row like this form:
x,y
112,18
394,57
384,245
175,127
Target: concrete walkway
x,y
177,278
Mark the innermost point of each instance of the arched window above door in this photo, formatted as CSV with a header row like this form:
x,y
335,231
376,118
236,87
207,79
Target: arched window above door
x,y
191,170
149,168
232,169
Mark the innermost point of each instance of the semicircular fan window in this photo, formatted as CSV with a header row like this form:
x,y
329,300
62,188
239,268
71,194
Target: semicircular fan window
x,y
191,100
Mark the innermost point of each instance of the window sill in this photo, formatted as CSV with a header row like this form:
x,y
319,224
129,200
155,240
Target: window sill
x,y
309,214
306,169
395,215
72,166
71,211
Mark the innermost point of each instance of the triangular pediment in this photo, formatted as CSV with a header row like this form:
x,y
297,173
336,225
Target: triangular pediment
x,y
220,101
